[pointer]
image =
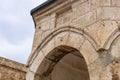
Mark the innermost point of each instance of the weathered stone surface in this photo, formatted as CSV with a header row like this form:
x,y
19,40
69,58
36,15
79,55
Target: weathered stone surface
x,y
84,20
111,72
101,31
106,2
95,70
61,39
38,59
11,70
90,26
88,52
95,4
99,13
64,18
115,48
48,47
75,38
79,22
111,13
80,9
115,2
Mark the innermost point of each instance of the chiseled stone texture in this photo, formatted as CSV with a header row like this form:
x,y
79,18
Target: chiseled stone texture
x,y
11,70
90,26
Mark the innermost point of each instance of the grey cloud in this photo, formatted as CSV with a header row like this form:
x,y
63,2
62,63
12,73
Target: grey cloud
x,y
16,28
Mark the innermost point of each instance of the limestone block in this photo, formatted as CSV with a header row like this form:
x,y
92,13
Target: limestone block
x,y
90,17
106,2
88,52
75,38
45,25
40,20
95,4
30,75
52,24
81,8
95,70
11,70
37,37
101,31
115,2
111,71
61,39
112,13
99,13
45,34
37,61
84,20
80,22
115,48
50,45
65,18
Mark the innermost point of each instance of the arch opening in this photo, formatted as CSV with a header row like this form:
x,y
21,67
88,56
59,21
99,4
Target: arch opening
x,y
63,63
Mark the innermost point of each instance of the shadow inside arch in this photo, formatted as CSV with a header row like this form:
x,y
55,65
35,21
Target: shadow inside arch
x,y
63,63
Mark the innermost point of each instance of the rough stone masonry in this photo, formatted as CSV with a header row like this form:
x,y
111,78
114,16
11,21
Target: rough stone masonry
x,y
74,40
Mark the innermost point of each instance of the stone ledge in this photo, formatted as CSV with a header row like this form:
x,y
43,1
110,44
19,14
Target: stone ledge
x,y
12,64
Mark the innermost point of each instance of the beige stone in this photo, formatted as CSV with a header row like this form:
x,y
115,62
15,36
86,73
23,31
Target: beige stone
x,y
37,60
106,2
95,4
111,13
80,9
75,38
48,47
101,31
61,39
88,52
84,40
65,18
79,22
115,2
115,48
11,70
99,13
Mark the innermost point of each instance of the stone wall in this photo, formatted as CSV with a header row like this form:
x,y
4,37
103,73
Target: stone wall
x,y
11,70
90,26
76,13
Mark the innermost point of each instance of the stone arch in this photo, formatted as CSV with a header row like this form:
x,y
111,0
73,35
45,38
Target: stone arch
x,y
59,61
67,29
68,36
111,39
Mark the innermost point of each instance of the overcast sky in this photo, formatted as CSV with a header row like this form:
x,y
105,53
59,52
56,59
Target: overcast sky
x,y
16,28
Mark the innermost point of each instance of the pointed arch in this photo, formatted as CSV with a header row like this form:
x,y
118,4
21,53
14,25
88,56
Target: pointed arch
x,y
59,61
74,38
56,32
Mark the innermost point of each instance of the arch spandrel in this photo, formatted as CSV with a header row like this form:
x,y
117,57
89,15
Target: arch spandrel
x,y
50,39
115,48
80,42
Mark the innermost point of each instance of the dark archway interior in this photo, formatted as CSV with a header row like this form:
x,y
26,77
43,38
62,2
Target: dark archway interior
x,y
63,63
